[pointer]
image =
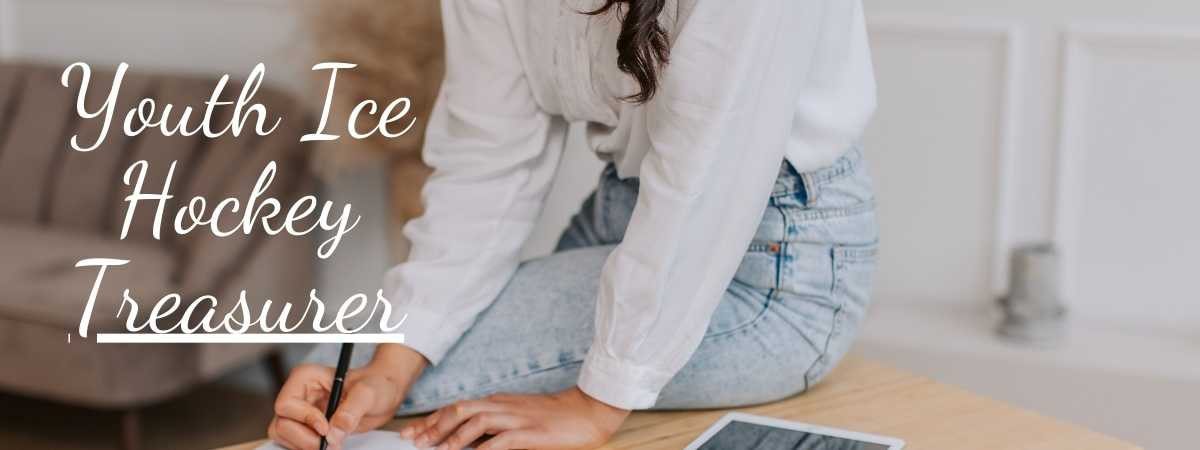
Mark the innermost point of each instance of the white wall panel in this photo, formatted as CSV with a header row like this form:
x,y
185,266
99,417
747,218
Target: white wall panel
x,y
940,149
1127,205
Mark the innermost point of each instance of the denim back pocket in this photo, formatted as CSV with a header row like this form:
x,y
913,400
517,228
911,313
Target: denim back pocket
x,y
750,292
853,268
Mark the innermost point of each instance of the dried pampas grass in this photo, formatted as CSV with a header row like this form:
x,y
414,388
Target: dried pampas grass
x,y
397,45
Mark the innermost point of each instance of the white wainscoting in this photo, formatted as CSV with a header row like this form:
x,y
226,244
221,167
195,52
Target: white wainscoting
x,y
1124,211
1127,208
942,150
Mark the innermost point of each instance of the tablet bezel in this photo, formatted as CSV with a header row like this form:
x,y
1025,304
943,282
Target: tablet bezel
x,y
890,442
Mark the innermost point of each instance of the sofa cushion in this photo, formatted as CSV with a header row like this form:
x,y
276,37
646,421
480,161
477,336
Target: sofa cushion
x,y
61,206
42,297
39,281
81,372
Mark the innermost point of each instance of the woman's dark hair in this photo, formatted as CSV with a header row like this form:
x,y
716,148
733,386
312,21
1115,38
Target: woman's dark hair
x,y
642,45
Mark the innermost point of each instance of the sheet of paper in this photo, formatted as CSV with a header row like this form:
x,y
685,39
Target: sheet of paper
x,y
374,440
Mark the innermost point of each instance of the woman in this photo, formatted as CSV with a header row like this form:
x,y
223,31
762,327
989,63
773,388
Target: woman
x,y
723,260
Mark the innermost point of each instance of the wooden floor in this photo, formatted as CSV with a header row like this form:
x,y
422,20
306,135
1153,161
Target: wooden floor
x,y
869,397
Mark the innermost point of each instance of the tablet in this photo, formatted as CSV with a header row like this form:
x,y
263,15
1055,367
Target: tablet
x,y
740,431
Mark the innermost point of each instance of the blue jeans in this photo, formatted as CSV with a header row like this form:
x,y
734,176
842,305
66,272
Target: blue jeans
x,y
790,313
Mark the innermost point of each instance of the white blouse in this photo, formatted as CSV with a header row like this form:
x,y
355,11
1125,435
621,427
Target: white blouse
x,y
749,83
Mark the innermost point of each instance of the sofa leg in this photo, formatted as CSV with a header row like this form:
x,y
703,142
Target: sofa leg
x,y
277,368
131,430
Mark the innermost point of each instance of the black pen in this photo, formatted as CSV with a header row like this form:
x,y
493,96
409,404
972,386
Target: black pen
x,y
335,391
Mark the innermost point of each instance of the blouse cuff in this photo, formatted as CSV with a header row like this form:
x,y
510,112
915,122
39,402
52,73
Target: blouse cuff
x,y
428,333
620,384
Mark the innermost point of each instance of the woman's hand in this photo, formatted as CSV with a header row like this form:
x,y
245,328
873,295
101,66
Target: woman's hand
x,y
566,420
372,395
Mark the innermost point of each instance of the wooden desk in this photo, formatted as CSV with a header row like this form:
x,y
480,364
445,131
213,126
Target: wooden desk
x,y
865,396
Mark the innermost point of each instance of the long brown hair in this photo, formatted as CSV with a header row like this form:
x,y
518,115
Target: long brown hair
x,y
642,45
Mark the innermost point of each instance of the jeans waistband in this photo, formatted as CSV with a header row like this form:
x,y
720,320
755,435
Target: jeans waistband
x,y
792,182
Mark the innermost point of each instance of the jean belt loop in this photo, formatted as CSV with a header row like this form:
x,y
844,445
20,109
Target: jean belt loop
x,y
810,187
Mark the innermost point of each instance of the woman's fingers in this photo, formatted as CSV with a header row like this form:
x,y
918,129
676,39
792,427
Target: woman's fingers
x,y
293,435
560,421
302,377
272,435
511,440
307,384
479,425
450,418
299,411
415,428
349,414
294,401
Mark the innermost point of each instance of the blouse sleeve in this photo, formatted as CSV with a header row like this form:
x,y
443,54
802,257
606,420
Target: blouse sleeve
x,y
494,153
717,131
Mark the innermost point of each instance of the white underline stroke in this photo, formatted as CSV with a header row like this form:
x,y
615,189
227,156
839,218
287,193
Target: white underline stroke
x,y
256,338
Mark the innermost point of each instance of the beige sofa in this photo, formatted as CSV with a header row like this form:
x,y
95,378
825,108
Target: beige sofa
x,y
58,206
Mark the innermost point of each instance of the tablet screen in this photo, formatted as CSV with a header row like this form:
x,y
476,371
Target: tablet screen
x,y
738,435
